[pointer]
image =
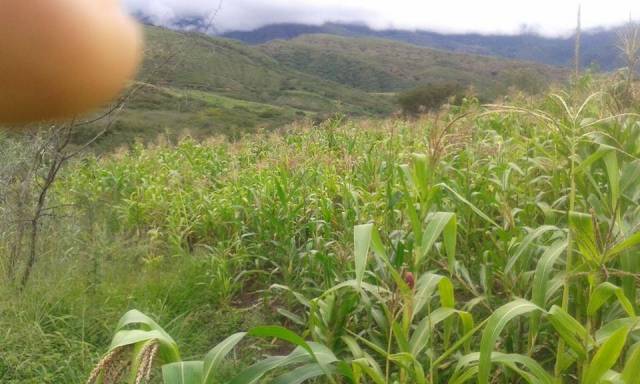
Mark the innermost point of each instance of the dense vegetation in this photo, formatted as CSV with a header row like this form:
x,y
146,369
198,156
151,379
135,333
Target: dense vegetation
x,y
378,65
204,86
490,243
600,45
201,86
429,98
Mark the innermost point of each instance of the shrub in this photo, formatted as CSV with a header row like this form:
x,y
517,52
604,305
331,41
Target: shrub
x,y
428,97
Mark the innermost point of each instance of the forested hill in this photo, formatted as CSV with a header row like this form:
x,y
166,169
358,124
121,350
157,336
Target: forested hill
x,y
598,46
379,65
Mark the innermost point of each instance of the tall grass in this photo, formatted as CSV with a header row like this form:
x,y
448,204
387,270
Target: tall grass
x,y
489,243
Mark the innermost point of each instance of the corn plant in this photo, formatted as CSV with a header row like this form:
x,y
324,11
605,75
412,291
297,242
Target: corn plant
x,y
488,243
139,343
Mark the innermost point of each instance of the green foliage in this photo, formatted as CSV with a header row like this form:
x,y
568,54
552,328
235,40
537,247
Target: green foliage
x,y
147,343
600,48
382,65
202,86
428,98
496,244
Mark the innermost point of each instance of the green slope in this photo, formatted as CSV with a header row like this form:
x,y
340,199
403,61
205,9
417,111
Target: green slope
x,y
378,65
174,112
229,68
207,86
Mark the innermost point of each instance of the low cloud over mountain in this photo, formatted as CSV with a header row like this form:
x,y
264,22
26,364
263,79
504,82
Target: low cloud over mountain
x,y
459,16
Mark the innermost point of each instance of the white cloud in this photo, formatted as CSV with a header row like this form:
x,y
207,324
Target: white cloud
x,y
158,11
489,16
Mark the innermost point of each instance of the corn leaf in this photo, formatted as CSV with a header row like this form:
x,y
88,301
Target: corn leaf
x,y
613,172
582,227
496,323
361,243
544,268
281,333
569,329
631,371
606,356
439,223
363,365
422,333
603,293
534,371
426,287
526,243
301,374
624,245
216,356
470,205
183,372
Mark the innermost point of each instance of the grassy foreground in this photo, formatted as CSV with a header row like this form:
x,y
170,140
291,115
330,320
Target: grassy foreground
x,y
494,244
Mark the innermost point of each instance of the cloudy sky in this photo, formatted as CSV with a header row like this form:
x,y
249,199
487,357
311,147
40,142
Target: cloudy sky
x,y
548,17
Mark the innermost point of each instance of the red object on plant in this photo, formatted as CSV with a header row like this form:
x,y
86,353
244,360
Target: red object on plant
x,y
409,279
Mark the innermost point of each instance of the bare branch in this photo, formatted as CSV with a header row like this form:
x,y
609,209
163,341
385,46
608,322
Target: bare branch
x,y
212,18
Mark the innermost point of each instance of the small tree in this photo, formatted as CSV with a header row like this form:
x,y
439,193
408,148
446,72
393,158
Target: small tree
x,y
427,98
29,172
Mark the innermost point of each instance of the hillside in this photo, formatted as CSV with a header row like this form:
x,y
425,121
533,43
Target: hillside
x,y
598,46
228,68
378,65
204,85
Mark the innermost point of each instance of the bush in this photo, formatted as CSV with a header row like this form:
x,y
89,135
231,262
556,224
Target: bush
x,y
427,98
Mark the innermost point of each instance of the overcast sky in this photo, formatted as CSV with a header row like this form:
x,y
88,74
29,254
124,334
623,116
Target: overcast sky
x,y
548,17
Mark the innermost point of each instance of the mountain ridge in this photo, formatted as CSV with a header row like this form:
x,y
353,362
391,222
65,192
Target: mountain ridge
x,y
598,45
382,65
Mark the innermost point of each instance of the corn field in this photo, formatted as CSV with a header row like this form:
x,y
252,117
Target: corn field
x,y
487,243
